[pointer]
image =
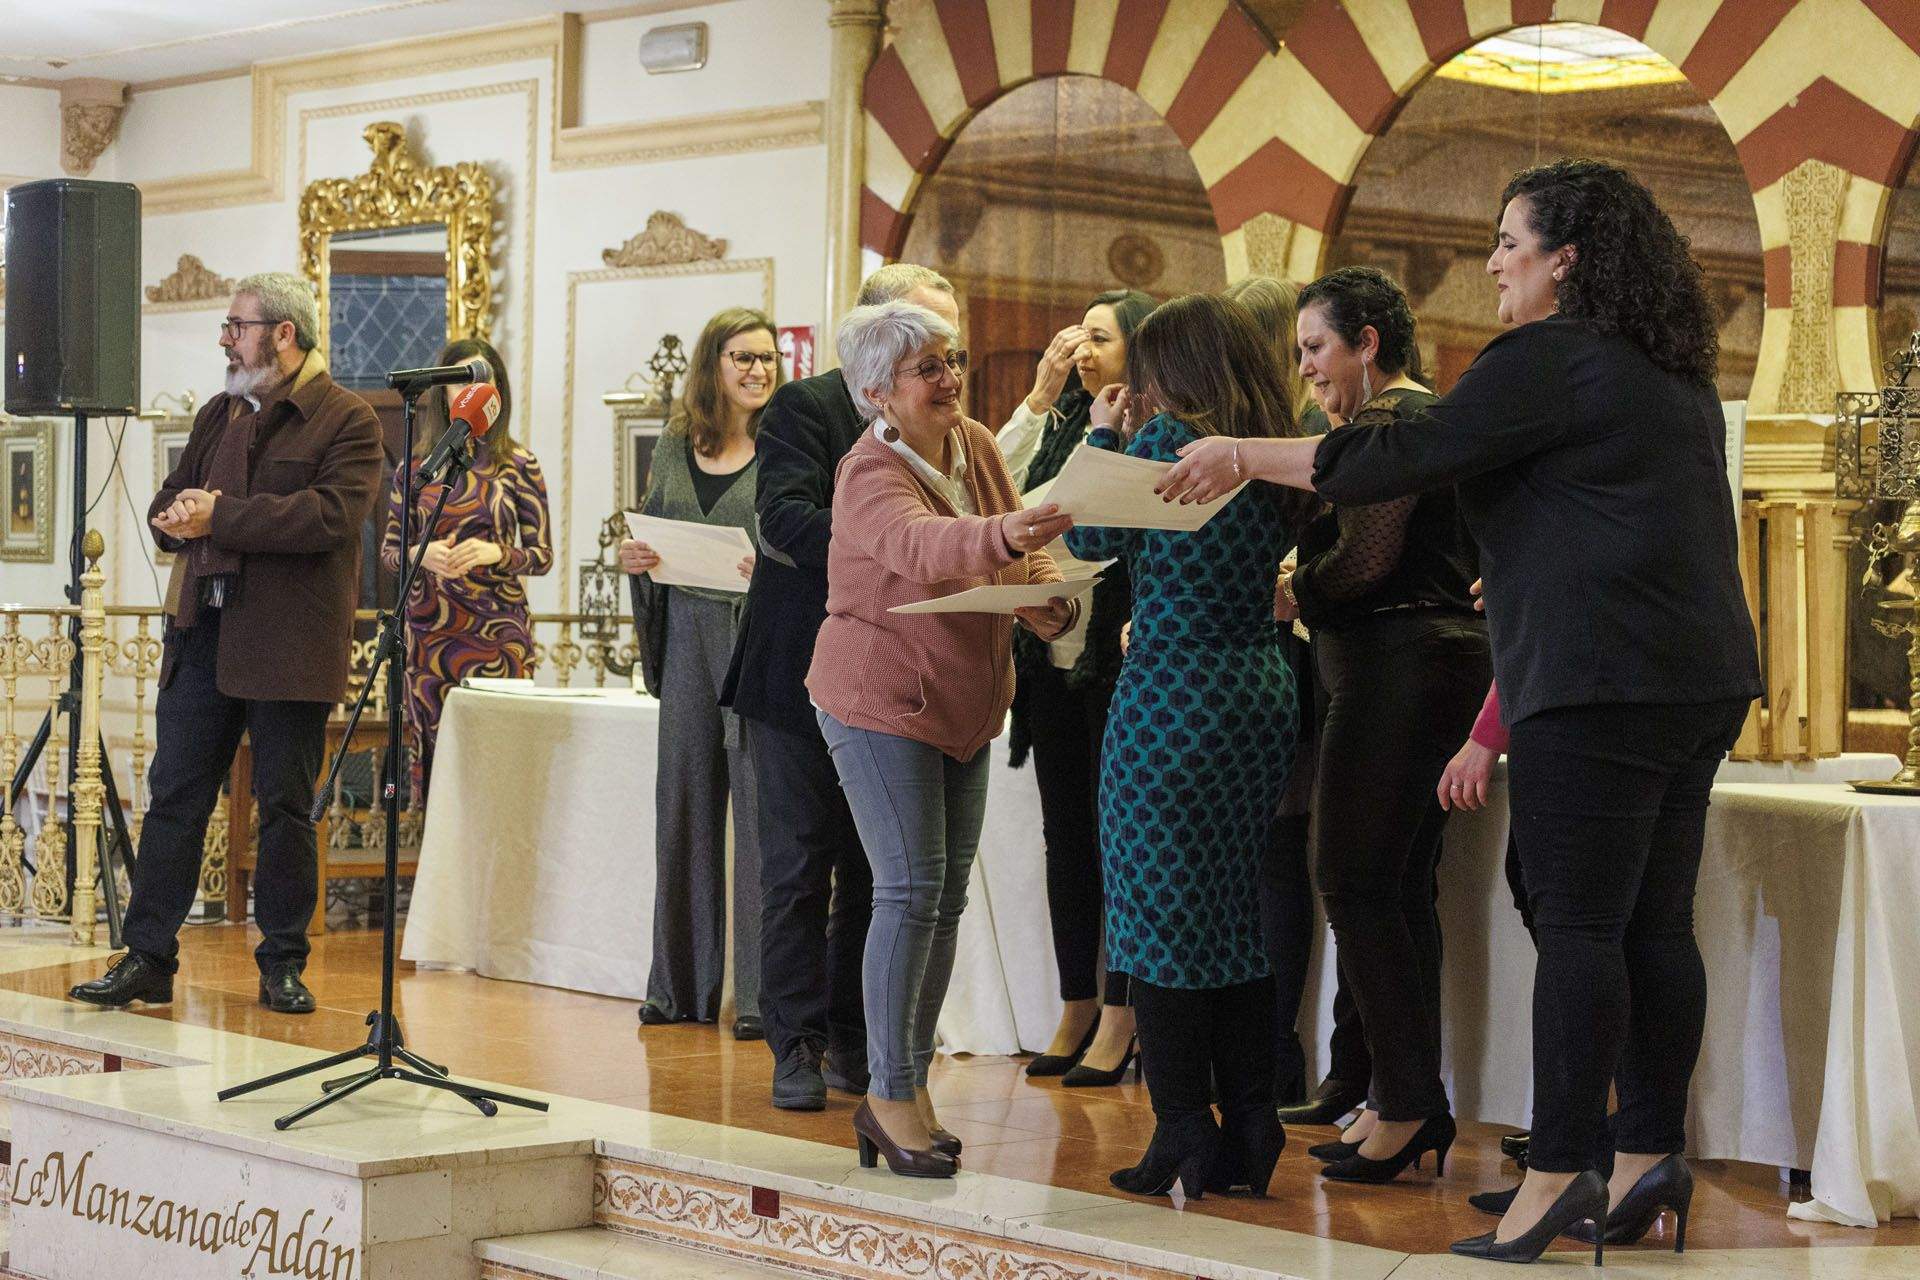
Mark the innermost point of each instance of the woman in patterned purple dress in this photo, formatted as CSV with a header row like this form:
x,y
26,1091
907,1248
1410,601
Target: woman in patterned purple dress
x,y
467,612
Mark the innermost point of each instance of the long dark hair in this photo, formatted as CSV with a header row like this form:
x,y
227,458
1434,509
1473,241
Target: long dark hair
x,y
1354,298
1634,274
497,444
1130,307
1206,360
701,416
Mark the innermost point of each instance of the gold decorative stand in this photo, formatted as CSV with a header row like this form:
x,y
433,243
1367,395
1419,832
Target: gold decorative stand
x,y
1890,470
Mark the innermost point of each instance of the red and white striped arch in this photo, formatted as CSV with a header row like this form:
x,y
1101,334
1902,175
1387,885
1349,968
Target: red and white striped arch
x,y
1277,135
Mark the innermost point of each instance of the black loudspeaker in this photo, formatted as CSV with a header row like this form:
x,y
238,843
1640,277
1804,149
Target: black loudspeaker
x,y
73,297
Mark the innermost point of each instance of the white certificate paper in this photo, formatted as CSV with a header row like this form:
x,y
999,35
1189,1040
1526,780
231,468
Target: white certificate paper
x,y
1101,487
999,599
693,554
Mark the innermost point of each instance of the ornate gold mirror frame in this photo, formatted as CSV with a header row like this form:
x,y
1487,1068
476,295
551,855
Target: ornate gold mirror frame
x,y
398,191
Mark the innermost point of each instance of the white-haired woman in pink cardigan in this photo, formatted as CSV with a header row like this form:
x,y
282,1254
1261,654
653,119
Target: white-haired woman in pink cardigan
x,y
922,507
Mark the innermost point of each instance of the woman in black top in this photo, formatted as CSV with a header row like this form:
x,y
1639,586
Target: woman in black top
x,y
1589,450
1384,588
1060,701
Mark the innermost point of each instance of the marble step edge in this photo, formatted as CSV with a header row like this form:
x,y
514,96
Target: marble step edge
x,y
595,1253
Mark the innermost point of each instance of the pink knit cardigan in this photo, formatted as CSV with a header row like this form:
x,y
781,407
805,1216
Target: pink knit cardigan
x,y
945,679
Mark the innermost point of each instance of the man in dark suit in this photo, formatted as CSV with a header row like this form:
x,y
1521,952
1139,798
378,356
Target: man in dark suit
x,y
264,513
816,888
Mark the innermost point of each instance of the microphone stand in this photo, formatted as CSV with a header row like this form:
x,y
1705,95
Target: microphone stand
x,y
393,1060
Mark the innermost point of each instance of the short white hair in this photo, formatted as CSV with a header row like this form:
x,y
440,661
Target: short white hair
x,y
285,297
872,342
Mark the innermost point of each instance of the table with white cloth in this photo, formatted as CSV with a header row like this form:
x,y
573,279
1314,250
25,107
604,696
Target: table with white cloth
x,y
536,864
536,858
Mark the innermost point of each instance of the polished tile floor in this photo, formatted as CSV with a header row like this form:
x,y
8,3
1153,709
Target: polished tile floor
x,y
592,1047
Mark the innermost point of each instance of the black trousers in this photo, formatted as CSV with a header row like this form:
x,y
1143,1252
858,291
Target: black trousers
x,y
196,731
1403,688
1198,1045
816,898
1287,924
1068,726
1609,812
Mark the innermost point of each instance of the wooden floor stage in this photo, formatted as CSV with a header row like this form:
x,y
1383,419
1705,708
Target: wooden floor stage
x,y
594,1048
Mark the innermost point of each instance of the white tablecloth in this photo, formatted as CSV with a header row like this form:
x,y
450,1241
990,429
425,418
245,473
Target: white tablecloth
x,y
536,860
536,864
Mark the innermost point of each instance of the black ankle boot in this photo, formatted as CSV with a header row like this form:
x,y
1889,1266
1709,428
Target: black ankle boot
x,y
1252,1141
1187,1149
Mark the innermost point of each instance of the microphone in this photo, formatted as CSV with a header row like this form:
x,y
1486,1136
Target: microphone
x,y
471,411
474,370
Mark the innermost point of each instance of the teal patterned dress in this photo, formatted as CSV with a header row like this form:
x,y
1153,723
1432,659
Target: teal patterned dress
x,y
1200,737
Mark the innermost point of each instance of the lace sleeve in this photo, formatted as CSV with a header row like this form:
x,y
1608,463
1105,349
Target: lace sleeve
x,y
1371,540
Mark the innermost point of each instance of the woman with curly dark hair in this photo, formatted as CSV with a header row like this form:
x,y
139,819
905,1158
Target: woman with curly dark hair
x,y
1588,447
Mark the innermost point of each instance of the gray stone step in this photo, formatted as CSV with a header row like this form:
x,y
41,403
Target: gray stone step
x,y
596,1253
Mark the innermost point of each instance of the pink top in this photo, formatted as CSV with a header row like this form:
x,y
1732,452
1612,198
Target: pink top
x,y
945,679
1488,731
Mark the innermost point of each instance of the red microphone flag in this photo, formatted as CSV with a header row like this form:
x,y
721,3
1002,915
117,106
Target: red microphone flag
x,y
478,405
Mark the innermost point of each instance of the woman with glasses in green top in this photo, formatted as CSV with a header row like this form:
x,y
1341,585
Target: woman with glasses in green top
x,y
704,471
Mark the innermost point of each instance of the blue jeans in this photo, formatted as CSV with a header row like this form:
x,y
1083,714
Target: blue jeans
x,y
919,812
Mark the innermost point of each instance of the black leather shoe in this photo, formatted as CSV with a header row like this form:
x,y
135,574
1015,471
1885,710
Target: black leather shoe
x,y
1584,1200
1058,1064
1668,1185
652,1015
1514,1145
797,1085
1330,1100
282,991
1494,1202
846,1070
748,1028
130,979
1435,1134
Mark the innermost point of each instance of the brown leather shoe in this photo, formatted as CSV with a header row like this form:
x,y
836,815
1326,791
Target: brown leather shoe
x,y
905,1161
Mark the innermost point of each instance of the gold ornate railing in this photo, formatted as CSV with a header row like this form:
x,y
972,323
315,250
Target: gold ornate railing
x,y
120,648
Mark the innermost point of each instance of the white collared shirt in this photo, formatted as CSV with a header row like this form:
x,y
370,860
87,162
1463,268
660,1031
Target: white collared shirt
x,y
952,486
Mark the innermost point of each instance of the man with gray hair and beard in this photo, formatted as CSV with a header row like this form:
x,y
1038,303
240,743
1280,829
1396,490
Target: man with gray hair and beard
x,y
263,515
815,884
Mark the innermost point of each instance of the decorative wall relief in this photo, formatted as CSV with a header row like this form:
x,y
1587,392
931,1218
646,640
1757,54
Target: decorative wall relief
x,y
191,281
666,241
1814,193
1136,260
90,111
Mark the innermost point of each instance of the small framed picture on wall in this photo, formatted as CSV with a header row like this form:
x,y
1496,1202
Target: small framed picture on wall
x,y
638,420
169,442
26,453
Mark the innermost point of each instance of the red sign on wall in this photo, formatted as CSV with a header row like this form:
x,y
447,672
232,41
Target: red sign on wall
x,y
796,350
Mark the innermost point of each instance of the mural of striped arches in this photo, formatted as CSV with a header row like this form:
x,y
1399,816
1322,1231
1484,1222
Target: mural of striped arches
x,y
1820,98
1194,61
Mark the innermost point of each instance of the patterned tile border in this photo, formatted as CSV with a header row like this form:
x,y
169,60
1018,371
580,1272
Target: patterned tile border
x,y
28,1058
489,1270
823,1239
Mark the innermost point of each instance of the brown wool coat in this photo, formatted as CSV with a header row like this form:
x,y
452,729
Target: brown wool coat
x,y
313,476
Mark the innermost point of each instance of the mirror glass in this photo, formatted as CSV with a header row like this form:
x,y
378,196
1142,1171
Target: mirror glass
x,y
386,301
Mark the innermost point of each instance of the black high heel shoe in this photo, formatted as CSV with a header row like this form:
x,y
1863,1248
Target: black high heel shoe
x,y
1436,1134
1058,1064
1085,1077
1584,1200
1328,1152
1494,1202
1668,1185
908,1162
1188,1150
1252,1143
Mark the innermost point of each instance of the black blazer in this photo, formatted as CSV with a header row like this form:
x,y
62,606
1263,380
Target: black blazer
x,y
1595,483
805,430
